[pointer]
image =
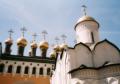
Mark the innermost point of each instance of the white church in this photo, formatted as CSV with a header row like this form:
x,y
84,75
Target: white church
x,y
90,61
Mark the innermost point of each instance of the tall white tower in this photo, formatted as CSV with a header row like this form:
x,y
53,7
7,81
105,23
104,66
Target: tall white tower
x,y
87,29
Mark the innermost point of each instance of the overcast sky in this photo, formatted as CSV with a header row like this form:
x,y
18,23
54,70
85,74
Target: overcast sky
x,y
57,17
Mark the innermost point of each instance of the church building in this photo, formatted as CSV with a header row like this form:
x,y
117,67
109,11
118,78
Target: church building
x,y
90,61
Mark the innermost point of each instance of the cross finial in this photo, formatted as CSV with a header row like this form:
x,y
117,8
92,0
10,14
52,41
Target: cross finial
x,y
63,38
23,31
84,9
44,33
10,33
34,36
57,40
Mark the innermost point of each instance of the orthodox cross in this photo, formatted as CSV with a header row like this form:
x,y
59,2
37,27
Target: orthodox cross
x,y
34,36
23,31
44,33
84,9
10,33
57,40
63,38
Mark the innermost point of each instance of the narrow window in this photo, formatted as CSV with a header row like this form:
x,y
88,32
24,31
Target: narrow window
x,y
18,69
48,71
26,70
92,36
1,67
41,71
10,69
34,71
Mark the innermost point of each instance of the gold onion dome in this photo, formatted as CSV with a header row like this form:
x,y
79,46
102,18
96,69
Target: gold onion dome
x,y
86,18
44,44
57,48
9,41
34,45
53,54
63,46
22,42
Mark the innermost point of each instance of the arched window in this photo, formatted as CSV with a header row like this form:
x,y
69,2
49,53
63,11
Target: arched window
x,y
10,69
48,71
26,70
41,71
18,69
34,71
2,67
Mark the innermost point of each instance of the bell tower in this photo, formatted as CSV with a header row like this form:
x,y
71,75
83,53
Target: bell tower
x,y
87,29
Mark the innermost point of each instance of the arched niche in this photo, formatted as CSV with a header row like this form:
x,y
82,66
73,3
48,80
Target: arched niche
x,y
80,55
105,51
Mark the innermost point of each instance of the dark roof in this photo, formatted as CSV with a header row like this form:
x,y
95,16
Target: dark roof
x,y
27,58
94,68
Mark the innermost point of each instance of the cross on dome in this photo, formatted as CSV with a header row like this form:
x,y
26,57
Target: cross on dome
x,y
10,33
34,36
64,38
84,9
44,33
23,31
57,40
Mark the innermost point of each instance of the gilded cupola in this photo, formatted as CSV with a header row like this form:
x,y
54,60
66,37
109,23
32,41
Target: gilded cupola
x,y
8,43
44,45
34,45
21,42
53,55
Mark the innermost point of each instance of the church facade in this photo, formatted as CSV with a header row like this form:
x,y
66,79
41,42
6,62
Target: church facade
x,y
90,61
21,69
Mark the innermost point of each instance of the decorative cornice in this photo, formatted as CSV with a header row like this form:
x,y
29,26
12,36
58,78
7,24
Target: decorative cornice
x,y
27,59
93,68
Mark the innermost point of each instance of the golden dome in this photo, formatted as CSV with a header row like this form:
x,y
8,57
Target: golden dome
x,y
9,41
86,18
22,42
44,44
53,54
34,45
63,46
57,48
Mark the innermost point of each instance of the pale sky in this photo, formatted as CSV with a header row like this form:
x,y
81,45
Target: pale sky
x,y
57,17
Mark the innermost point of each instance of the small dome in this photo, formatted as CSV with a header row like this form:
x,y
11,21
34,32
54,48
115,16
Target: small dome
x,y
86,18
22,41
53,54
63,46
44,44
57,48
34,45
9,41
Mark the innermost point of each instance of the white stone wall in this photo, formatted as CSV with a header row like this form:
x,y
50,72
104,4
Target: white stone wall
x,y
73,58
105,52
84,30
80,55
23,64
